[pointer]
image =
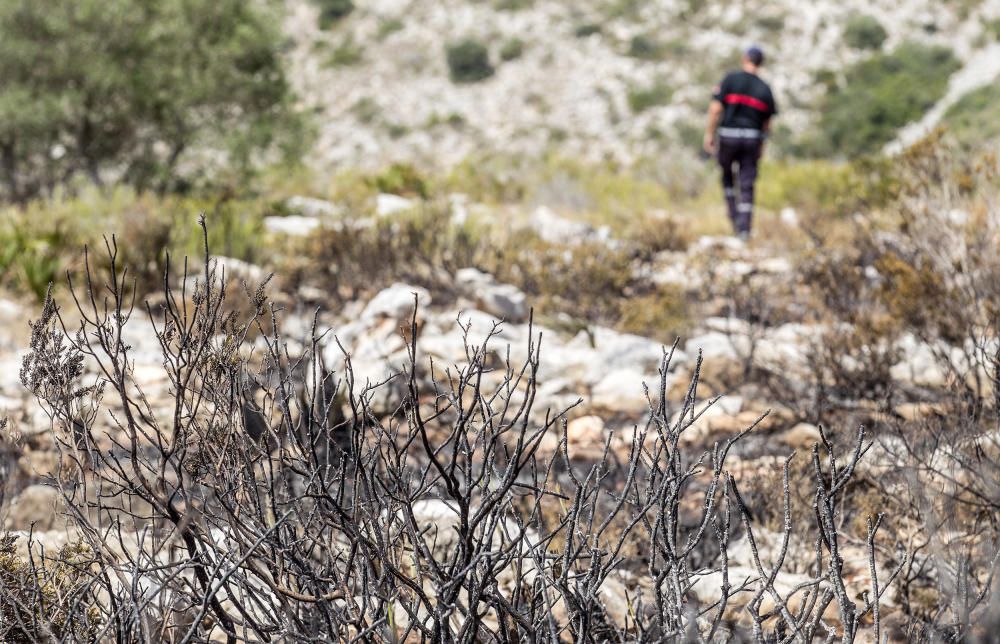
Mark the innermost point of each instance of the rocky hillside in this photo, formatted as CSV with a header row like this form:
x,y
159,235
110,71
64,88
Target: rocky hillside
x,y
595,79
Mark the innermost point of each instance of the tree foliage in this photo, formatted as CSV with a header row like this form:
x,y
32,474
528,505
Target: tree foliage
x,y
126,88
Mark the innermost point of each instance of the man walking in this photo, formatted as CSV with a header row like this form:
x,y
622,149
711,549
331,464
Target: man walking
x,y
740,114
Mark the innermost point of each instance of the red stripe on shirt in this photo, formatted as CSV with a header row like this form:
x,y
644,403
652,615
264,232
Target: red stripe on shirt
x,y
749,101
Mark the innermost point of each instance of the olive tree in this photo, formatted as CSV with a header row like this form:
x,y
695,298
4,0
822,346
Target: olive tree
x,y
124,89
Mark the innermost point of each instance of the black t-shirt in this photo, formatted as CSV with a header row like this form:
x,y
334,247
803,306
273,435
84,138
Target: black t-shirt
x,y
747,100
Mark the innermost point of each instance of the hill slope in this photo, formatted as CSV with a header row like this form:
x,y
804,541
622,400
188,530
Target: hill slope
x,y
594,79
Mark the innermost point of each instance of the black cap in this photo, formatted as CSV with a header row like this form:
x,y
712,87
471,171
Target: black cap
x,y
755,54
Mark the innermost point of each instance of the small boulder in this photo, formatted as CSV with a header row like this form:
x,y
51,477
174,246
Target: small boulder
x,y
387,205
396,302
311,207
505,301
789,217
585,431
292,225
621,391
710,418
241,270
916,411
775,266
585,438
802,436
559,230
37,505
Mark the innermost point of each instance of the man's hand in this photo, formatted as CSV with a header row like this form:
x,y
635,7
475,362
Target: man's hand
x,y
709,143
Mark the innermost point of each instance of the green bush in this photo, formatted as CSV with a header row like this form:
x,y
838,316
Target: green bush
x,y
401,179
770,23
42,240
346,54
333,11
974,121
662,314
512,5
991,28
879,96
512,49
124,92
645,47
587,29
812,187
643,98
389,26
469,61
864,32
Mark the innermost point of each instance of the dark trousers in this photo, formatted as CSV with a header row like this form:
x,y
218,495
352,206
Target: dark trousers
x,y
744,155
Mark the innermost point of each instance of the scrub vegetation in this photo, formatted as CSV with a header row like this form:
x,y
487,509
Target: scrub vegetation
x,y
878,96
532,393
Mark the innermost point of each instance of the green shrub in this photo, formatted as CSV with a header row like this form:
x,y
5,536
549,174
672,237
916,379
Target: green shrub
x,y
864,32
469,61
396,130
661,315
974,121
770,23
333,11
512,49
401,179
388,27
690,134
645,47
692,8
628,9
512,5
827,78
585,281
366,110
42,240
346,54
453,120
587,29
812,187
643,98
992,28
879,96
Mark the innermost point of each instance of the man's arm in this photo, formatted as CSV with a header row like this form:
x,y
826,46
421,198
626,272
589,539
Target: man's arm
x,y
714,114
765,129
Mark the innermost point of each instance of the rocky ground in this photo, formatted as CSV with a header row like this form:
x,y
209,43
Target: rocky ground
x,y
600,377
599,373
